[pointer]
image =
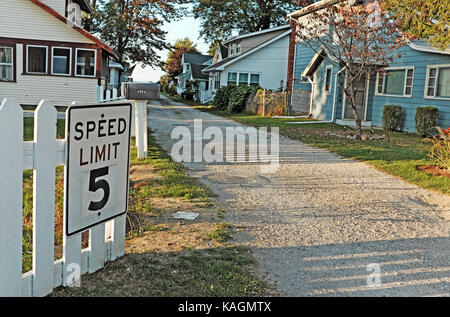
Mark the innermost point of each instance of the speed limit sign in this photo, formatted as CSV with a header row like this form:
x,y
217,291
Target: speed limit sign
x,y
97,166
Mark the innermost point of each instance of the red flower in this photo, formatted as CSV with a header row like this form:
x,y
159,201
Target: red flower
x,y
447,131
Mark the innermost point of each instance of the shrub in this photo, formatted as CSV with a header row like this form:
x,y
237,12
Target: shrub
x,y
392,117
440,151
222,97
238,98
426,120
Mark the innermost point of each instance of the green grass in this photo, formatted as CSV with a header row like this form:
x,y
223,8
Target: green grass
x,y
399,154
222,233
224,272
175,180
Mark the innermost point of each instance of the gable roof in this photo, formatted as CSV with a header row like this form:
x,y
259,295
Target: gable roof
x,y
190,58
75,27
242,36
84,5
197,72
421,45
232,59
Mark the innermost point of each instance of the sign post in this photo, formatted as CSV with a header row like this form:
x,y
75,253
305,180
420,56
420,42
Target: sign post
x,y
97,167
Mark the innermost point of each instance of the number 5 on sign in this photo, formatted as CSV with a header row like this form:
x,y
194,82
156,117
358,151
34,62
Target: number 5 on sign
x,y
97,169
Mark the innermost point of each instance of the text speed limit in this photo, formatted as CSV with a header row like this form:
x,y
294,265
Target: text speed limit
x,y
97,169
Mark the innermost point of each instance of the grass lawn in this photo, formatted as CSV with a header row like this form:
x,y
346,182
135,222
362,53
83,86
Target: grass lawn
x,y
399,154
164,257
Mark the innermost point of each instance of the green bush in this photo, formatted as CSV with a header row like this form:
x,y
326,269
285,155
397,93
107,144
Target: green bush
x,y
222,97
392,117
238,98
426,120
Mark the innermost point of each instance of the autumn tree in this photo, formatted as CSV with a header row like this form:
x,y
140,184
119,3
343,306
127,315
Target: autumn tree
x,y
173,65
219,18
358,38
424,19
133,27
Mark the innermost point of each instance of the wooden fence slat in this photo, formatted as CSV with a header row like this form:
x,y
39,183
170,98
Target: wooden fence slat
x,y
71,245
118,243
97,248
44,198
11,193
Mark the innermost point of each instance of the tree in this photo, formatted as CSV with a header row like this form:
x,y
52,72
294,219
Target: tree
x,y
133,27
173,65
424,19
219,18
360,39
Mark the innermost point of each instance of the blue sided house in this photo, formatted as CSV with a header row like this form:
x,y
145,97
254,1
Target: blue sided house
x,y
419,78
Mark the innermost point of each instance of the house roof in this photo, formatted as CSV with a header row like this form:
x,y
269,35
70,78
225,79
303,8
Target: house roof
x,y
232,59
421,45
190,58
242,36
314,63
76,28
197,72
84,5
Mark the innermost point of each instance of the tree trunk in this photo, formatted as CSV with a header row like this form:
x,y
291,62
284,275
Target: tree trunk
x,y
354,110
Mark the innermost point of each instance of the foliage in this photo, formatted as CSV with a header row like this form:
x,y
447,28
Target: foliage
x,y
428,20
222,97
359,37
191,91
426,120
440,151
173,66
392,117
220,18
133,28
167,85
238,98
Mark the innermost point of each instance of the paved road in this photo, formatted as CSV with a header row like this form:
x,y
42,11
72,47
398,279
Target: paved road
x,y
320,221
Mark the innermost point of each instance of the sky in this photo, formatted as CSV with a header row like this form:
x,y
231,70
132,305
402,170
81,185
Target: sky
x,y
187,27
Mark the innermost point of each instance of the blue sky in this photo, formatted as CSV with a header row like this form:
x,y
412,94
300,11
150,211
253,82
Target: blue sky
x,y
187,27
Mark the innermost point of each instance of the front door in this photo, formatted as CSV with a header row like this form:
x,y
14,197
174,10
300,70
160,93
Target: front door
x,y
361,102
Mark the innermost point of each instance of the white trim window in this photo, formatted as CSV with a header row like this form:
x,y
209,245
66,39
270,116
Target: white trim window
x,y
61,61
216,81
232,79
254,79
327,82
238,48
6,63
243,79
37,59
86,62
437,83
395,82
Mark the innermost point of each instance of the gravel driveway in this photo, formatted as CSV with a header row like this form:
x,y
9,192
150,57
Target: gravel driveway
x,y
320,221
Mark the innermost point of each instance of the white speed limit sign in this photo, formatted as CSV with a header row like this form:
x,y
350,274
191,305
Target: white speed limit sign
x,y
97,166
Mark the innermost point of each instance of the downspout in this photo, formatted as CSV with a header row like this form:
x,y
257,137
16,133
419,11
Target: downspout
x,y
333,114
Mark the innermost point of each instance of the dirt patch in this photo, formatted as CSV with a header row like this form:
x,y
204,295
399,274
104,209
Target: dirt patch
x,y
142,174
437,171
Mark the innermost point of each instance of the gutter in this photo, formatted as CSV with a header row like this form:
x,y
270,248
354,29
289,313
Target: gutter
x,y
333,114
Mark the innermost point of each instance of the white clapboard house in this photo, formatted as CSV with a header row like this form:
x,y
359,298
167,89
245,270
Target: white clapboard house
x,y
46,54
259,58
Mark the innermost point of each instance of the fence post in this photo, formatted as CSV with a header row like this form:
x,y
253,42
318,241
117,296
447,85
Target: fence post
x,y
141,127
71,245
44,198
118,238
11,195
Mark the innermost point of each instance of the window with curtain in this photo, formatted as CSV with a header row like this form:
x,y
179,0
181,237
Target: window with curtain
x,y
438,83
37,59
232,79
327,85
85,62
6,63
61,61
396,82
254,80
243,79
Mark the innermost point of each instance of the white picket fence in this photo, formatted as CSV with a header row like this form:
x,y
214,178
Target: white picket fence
x,y
43,155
